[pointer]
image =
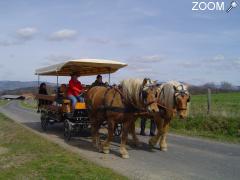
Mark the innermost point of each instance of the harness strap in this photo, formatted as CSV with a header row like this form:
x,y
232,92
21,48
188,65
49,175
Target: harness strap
x,y
128,108
166,108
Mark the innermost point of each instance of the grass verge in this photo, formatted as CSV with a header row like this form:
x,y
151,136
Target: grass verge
x,y
3,102
28,105
24,155
211,127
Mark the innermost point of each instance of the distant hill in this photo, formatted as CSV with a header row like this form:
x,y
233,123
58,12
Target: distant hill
x,y
12,85
26,91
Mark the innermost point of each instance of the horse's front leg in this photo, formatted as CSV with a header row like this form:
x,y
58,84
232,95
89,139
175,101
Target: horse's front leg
x,y
106,144
163,142
123,150
159,123
94,131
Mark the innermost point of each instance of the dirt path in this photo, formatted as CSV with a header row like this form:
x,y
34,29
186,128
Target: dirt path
x,y
187,158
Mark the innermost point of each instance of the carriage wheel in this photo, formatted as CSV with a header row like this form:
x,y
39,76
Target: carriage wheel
x,y
67,130
118,129
44,121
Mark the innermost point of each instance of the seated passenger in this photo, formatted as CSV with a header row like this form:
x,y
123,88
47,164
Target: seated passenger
x,y
42,90
75,90
99,82
61,93
63,90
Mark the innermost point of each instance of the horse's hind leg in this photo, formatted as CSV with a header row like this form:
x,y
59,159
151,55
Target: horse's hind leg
x,y
133,133
106,144
94,130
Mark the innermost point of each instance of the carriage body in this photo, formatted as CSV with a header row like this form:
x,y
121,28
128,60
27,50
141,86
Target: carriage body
x,y
57,108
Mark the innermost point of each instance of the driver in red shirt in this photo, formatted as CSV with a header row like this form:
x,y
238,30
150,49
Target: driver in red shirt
x,y
75,90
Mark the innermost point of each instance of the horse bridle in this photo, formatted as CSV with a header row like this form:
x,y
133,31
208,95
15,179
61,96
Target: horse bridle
x,y
143,95
182,93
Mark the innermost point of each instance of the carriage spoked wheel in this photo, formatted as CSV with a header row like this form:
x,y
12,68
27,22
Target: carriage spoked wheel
x,y
67,130
118,129
44,120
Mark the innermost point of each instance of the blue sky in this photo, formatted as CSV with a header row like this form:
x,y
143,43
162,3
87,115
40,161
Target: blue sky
x,y
157,39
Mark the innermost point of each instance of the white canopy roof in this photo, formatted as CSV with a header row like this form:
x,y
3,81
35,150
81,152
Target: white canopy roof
x,y
82,67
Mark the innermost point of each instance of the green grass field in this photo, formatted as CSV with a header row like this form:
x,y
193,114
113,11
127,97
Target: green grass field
x,y
29,104
3,102
25,155
223,122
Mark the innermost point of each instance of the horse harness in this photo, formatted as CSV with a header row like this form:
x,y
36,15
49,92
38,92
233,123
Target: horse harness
x,y
129,106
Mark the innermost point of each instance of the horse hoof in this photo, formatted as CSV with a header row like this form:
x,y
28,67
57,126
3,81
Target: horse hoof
x,y
152,143
164,149
106,151
125,156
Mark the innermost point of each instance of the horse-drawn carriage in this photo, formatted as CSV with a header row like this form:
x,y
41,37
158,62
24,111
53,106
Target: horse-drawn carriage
x,y
116,107
57,107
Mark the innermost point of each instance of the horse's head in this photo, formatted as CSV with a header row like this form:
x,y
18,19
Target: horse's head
x,y
182,97
149,95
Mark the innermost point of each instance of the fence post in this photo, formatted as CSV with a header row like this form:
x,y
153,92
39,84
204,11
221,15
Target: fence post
x,y
209,101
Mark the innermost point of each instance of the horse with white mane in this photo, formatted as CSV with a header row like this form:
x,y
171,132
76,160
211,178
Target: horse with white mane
x,y
119,105
173,98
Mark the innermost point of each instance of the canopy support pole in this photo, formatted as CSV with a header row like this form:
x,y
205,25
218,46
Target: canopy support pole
x,y
38,80
37,93
57,81
109,76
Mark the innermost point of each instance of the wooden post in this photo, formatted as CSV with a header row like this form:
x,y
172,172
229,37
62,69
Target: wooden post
x,y
209,101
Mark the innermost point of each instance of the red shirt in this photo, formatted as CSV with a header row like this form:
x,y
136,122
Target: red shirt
x,y
75,87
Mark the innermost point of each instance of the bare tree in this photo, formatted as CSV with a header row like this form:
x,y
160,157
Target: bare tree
x,y
226,85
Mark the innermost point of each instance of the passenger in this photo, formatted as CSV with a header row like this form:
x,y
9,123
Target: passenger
x,y
61,93
42,90
99,82
75,90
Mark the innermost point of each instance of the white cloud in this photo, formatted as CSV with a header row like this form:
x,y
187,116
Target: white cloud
x,y
26,33
64,34
219,57
21,36
145,12
6,43
143,70
237,62
98,40
188,64
53,59
152,58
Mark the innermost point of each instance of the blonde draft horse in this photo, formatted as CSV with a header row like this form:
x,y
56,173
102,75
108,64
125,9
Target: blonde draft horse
x,y
119,105
173,98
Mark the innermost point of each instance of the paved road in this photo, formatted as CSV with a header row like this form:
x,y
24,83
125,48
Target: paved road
x,y
187,158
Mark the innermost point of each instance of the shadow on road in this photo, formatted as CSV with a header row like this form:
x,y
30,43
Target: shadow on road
x,y
83,139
